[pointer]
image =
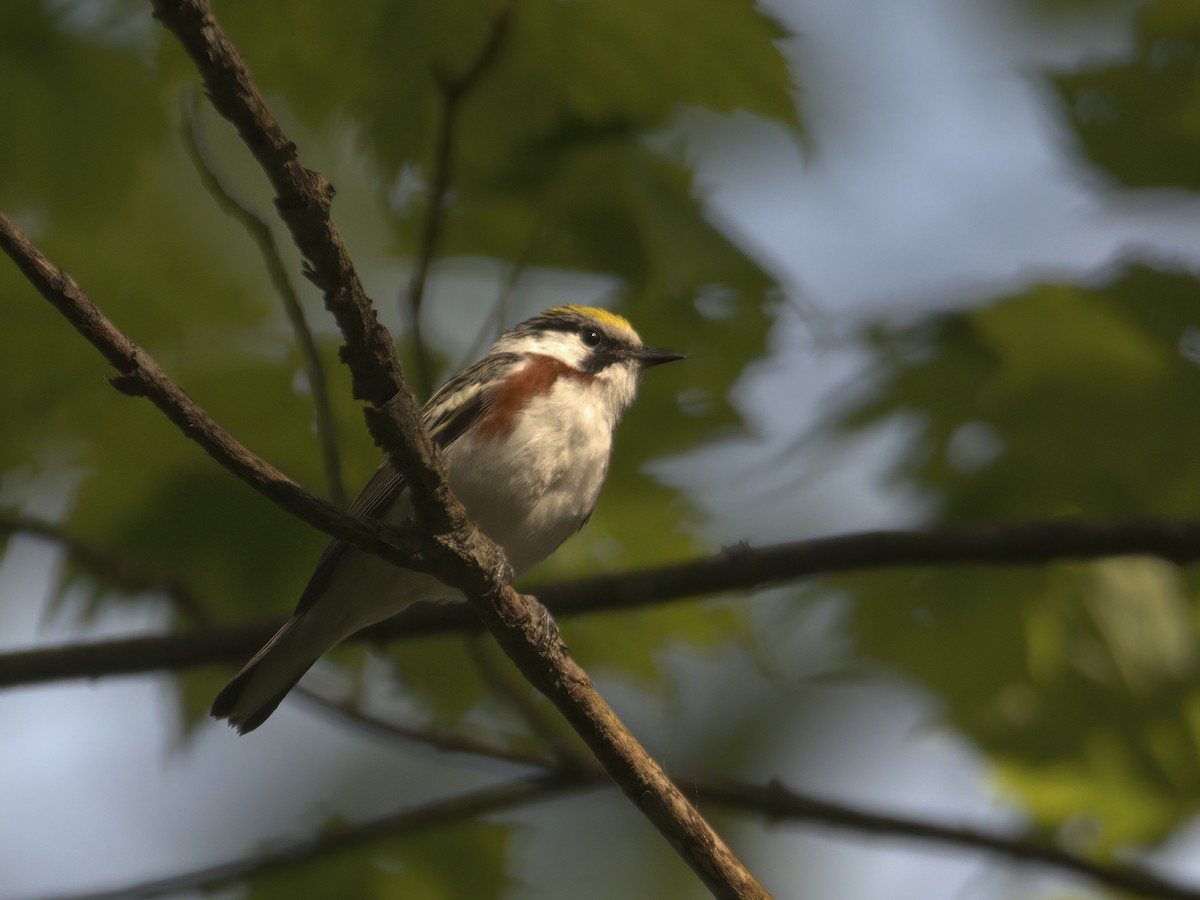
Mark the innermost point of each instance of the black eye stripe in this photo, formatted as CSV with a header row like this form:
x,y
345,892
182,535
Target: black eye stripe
x,y
590,336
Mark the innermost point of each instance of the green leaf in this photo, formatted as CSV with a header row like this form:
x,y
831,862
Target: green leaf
x,y
1079,680
468,860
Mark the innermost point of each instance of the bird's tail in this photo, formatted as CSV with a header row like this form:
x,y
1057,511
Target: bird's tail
x,y
260,687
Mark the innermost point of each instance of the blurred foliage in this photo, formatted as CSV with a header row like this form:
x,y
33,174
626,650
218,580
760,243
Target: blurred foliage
x,y
1080,680
425,866
1139,118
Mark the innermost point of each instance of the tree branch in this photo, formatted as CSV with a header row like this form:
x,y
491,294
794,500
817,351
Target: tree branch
x,y
141,376
1175,540
489,800
772,801
442,739
1001,544
737,568
778,803
303,198
264,240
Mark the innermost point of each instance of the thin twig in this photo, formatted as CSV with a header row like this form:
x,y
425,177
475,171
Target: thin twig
x,y
781,804
454,91
492,322
778,803
439,738
566,753
272,258
487,801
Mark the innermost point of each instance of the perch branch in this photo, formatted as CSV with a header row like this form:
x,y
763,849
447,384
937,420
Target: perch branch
x,y
737,568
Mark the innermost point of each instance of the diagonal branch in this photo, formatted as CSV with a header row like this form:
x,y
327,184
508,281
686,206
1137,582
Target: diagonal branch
x,y
303,198
772,801
778,803
514,620
141,376
261,234
441,739
486,801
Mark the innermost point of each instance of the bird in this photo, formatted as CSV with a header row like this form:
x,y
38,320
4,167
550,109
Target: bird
x,y
527,435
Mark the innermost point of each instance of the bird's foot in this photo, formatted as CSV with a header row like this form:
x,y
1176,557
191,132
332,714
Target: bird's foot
x,y
502,571
547,628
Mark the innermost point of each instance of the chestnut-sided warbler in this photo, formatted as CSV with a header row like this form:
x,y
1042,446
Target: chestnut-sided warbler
x,y
526,433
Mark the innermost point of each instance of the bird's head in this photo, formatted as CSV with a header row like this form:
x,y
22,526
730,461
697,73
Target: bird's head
x,y
586,343
589,360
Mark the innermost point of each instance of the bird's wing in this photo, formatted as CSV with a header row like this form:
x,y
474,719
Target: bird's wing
x,y
460,402
384,485
446,422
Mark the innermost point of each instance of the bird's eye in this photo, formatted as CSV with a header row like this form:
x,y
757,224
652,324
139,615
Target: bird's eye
x,y
590,337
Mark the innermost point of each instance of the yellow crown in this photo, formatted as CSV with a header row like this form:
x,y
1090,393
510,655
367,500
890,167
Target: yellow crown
x,y
603,316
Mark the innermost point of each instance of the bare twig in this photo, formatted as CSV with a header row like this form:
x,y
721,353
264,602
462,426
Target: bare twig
x,y
739,568
264,239
566,754
438,738
454,91
490,327
779,803
772,801
1000,544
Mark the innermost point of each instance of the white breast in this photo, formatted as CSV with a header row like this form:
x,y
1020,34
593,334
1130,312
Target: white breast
x,y
533,487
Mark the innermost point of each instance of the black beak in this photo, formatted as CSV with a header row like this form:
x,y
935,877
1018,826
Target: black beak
x,y
653,356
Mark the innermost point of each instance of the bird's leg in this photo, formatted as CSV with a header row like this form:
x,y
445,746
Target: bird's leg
x,y
545,628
